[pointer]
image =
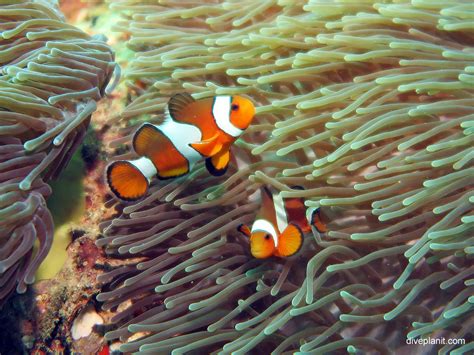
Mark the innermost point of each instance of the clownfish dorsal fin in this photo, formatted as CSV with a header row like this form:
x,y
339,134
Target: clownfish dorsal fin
x,y
146,140
178,103
296,210
267,198
149,141
268,208
217,164
208,147
290,241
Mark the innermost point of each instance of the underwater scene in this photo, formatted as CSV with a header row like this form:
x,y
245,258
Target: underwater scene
x,y
236,177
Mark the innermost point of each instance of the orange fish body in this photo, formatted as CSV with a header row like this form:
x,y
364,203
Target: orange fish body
x,y
280,225
192,130
104,351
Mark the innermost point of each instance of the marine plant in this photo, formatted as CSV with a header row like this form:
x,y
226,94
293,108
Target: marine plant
x,y
51,75
369,106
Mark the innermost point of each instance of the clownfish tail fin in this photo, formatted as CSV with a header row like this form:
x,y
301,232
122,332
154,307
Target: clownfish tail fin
x,y
290,241
129,179
316,221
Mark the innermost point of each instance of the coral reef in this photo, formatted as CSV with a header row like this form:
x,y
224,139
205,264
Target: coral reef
x,y
51,75
369,106
63,301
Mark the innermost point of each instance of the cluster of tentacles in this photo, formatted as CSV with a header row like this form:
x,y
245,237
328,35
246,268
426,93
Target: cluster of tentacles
x,y
51,75
370,107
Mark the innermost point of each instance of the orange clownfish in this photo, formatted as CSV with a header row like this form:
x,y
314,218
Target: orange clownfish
x,y
279,227
192,130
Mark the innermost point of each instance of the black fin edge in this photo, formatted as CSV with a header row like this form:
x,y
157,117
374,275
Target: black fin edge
x,y
316,212
212,170
297,187
116,193
137,132
267,190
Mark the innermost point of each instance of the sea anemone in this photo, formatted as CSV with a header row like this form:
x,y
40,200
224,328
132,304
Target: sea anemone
x,y
369,107
51,75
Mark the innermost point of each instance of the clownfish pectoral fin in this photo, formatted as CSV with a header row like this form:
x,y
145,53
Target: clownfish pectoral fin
x,y
244,229
217,164
208,147
317,222
178,103
290,241
126,180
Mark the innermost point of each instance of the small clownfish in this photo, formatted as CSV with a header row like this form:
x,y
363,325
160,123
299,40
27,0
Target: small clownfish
x,y
279,227
192,130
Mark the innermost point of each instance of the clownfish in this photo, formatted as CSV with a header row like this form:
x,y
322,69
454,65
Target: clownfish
x,y
280,225
192,130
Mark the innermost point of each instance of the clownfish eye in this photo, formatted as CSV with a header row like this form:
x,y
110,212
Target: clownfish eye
x,y
234,107
267,236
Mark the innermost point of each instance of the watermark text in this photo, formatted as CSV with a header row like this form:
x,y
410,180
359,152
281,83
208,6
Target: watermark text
x,y
435,341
